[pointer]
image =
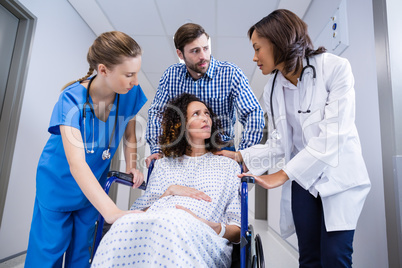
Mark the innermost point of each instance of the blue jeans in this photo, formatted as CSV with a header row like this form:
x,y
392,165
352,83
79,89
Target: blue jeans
x,y
317,247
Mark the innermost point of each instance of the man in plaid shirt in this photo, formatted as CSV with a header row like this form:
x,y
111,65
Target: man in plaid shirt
x,y
222,85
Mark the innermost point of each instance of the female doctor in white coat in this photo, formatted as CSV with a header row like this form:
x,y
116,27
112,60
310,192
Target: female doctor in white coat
x,y
310,102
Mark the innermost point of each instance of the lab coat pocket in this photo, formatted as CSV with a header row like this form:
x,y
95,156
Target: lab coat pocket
x,y
348,175
309,123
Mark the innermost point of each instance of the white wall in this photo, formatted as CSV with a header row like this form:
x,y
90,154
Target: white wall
x,y
370,245
361,54
58,56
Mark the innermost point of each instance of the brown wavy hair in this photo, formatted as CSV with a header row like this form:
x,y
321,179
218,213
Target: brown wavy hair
x,y
289,37
186,34
174,118
110,49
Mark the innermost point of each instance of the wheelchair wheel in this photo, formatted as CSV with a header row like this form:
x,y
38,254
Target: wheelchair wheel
x,y
252,258
259,252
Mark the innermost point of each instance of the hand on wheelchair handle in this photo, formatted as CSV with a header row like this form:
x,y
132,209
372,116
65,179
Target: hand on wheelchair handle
x,y
128,177
137,178
247,178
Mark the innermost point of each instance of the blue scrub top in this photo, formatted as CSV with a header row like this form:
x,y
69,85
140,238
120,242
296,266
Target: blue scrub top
x,y
56,188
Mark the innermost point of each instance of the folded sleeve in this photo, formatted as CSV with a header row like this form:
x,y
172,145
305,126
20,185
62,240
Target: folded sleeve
x,y
66,112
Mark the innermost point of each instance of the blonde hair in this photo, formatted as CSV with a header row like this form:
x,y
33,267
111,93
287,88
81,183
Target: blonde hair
x,y
110,49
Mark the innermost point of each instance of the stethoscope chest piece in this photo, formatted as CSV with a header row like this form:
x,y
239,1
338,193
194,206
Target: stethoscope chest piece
x,y
106,154
275,135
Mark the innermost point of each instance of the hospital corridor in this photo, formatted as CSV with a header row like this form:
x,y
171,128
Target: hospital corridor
x,y
305,95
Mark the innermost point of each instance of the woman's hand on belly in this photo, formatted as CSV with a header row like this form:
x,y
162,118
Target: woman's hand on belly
x,y
215,226
186,191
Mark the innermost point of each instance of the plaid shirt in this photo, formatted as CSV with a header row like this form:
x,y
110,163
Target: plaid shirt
x,y
224,88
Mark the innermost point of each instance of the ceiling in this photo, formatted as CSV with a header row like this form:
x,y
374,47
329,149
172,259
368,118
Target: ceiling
x,y
152,23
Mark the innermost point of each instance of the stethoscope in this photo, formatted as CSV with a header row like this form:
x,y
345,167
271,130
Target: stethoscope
x,y
275,134
106,153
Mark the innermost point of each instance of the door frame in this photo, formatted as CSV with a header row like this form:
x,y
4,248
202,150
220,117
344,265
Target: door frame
x,y
15,88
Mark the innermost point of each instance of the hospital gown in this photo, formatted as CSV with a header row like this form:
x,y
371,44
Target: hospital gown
x,y
168,237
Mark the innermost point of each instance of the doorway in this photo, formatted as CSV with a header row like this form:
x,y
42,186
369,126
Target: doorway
x,y
16,34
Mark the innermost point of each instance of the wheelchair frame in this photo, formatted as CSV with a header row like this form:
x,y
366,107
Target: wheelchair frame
x,y
251,250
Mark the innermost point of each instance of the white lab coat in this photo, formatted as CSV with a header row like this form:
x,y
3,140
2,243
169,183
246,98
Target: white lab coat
x,y
331,162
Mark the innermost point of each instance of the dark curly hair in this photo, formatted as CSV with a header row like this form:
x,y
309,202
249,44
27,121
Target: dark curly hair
x,y
289,37
174,117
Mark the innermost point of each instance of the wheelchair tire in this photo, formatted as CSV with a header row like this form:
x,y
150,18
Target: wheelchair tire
x,y
259,252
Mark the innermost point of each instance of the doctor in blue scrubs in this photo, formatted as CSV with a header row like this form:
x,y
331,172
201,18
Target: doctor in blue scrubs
x,y
87,124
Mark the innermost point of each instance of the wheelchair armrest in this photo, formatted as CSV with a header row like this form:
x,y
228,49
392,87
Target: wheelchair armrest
x,y
126,179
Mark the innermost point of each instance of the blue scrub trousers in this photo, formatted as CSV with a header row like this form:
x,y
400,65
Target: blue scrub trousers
x,y
317,247
54,233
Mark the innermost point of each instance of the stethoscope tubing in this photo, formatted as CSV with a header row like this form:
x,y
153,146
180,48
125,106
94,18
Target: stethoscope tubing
x,y
270,99
273,86
106,154
84,115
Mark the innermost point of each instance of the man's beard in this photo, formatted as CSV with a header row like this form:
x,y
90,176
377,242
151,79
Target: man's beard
x,y
196,68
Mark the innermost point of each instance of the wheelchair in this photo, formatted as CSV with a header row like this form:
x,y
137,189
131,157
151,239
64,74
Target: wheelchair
x,y
248,253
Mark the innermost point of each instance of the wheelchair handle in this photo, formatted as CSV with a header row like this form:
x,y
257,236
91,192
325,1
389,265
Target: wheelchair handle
x,y
126,177
248,179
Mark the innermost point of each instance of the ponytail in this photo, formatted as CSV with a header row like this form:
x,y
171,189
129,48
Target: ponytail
x,y
89,73
109,49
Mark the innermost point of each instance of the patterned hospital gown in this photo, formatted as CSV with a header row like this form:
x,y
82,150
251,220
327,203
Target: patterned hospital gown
x,y
168,237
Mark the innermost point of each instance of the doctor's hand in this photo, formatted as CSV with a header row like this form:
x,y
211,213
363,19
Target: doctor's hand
x,y
186,191
151,157
234,155
269,181
138,177
118,213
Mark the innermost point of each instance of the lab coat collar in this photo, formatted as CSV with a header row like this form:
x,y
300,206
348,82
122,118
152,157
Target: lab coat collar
x,y
279,107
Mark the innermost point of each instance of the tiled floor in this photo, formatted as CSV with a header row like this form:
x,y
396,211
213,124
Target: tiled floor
x,y
276,253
